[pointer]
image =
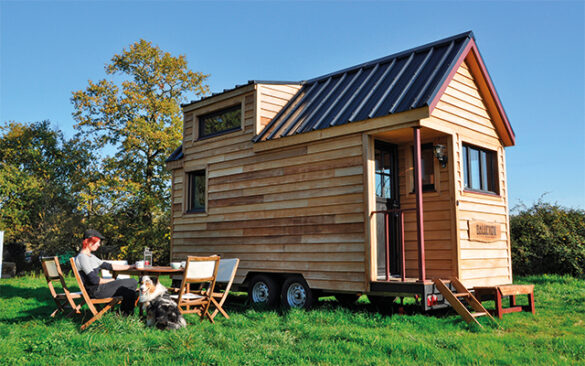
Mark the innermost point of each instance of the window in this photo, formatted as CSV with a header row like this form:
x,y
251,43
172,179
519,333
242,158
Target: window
x,y
384,173
196,192
223,121
479,169
427,168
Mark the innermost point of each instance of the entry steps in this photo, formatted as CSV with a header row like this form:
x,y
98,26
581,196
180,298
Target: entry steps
x,y
454,298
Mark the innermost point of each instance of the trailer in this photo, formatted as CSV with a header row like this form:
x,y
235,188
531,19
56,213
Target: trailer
x,y
375,180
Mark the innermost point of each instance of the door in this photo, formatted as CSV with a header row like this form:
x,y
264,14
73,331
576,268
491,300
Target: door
x,y
387,198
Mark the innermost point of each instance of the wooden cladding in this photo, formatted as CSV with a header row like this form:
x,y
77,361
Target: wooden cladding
x,y
271,98
482,260
298,204
296,209
437,213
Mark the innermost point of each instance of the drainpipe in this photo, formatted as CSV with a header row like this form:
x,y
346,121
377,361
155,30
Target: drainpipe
x,y
420,228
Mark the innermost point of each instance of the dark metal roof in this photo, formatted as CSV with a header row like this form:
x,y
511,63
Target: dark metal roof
x,y
250,82
176,155
393,84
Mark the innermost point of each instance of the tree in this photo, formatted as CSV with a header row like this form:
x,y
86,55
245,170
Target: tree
x,y
38,196
140,117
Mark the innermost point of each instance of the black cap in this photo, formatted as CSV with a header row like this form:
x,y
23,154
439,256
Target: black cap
x,y
91,233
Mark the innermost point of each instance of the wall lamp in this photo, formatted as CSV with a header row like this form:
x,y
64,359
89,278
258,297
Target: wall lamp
x,y
441,154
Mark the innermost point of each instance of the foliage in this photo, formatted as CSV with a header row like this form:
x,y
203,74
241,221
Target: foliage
x,y
38,198
327,335
548,238
138,114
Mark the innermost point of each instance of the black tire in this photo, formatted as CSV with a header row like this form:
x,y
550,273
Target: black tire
x,y
263,291
384,304
296,293
347,299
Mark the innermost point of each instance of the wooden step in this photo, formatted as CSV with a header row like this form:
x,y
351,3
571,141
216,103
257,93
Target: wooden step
x,y
462,292
477,315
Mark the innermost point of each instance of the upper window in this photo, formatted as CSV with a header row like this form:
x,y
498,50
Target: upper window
x,y
196,192
427,168
480,169
222,121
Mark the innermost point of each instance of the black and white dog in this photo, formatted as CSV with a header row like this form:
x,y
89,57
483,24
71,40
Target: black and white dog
x,y
161,311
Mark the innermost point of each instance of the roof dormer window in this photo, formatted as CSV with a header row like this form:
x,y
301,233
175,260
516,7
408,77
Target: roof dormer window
x,y
220,122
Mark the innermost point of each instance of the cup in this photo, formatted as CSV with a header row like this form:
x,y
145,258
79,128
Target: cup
x,y
140,264
183,264
175,265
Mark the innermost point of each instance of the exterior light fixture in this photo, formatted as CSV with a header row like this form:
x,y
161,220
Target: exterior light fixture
x,y
441,154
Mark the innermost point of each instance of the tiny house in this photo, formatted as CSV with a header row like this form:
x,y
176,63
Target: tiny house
x,y
370,180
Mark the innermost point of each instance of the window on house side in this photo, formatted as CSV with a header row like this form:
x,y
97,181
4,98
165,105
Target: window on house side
x,y
196,193
479,169
219,122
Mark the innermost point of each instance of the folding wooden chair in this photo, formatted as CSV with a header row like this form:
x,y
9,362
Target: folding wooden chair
x,y
93,304
200,271
65,299
225,278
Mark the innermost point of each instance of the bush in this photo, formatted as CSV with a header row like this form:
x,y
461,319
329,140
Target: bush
x,y
548,238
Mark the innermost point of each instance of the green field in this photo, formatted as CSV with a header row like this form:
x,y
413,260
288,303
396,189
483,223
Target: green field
x,y
329,334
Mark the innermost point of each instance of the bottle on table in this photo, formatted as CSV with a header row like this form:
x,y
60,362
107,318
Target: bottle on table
x,y
147,258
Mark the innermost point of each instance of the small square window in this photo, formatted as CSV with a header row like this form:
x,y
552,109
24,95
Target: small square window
x,y
196,192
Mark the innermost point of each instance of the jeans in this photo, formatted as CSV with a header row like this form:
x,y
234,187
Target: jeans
x,y
125,288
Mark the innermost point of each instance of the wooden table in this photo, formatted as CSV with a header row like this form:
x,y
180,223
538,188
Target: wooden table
x,y
497,292
154,271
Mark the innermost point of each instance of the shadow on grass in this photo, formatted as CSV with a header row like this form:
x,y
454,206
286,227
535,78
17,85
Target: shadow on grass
x,y
239,304
236,304
43,309
42,312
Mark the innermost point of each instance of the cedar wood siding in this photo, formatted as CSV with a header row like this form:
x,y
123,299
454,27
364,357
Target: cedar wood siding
x,y
296,210
438,214
462,111
270,98
300,208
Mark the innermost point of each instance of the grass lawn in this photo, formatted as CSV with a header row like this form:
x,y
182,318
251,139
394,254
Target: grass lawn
x,y
329,334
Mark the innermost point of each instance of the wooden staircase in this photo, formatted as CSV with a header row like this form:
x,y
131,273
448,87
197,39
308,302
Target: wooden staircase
x,y
462,293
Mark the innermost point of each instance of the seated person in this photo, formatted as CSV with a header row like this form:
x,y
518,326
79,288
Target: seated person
x,y
89,267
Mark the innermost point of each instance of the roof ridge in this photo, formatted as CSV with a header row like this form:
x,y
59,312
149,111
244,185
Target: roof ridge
x,y
379,90
393,56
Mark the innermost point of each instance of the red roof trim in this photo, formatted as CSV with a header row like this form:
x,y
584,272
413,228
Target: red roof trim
x,y
493,92
471,46
451,75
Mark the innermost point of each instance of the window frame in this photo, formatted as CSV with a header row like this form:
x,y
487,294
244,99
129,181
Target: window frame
x,y
190,175
486,167
201,120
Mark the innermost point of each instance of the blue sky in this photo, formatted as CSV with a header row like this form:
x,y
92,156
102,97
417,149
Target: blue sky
x,y
534,51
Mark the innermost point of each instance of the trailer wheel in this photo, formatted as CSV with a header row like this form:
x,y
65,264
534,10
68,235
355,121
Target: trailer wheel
x,y
296,293
263,291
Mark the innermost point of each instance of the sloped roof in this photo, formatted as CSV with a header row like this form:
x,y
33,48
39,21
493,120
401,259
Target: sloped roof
x,y
393,84
397,83
176,155
238,86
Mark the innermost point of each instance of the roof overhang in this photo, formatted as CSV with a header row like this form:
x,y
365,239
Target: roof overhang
x,y
487,90
219,97
389,122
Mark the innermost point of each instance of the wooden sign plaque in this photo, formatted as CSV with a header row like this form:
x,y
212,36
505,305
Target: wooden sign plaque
x,y
486,232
